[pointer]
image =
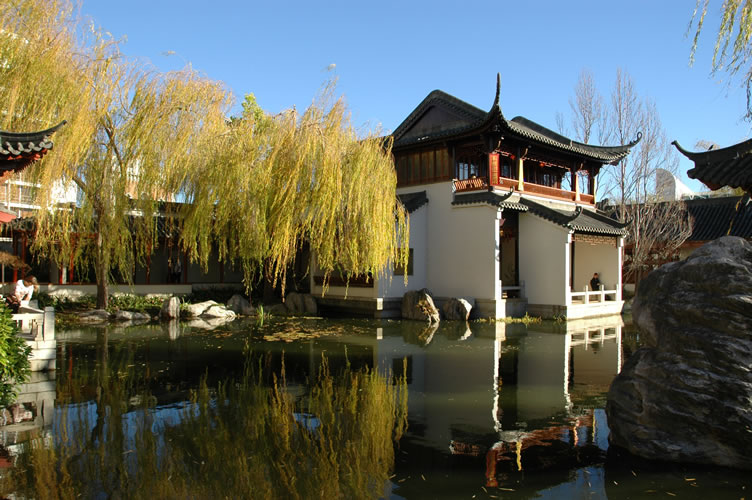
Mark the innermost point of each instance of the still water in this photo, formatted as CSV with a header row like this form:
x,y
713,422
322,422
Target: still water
x,y
346,408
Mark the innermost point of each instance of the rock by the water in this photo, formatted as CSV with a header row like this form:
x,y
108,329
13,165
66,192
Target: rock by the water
x,y
277,310
240,305
197,309
218,312
170,308
687,396
130,316
456,309
418,305
310,305
294,302
95,316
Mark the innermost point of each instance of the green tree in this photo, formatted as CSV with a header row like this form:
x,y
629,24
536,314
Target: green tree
x,y
256,187
14,358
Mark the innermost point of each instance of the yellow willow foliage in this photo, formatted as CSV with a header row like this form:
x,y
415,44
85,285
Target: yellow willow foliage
x,y
260,186
279,182
129,133
40,76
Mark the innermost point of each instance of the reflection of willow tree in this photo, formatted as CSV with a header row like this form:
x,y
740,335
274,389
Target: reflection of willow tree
x,y
243,438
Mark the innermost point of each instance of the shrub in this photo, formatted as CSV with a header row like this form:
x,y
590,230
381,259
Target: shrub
x,y
14,358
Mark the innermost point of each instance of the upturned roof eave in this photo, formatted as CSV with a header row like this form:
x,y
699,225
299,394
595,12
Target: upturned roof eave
x,y
495,116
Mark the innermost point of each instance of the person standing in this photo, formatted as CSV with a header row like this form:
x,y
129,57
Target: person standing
x,y
595,282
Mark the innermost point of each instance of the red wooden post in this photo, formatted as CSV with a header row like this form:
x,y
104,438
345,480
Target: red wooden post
x,y
23,253
493,169
15,252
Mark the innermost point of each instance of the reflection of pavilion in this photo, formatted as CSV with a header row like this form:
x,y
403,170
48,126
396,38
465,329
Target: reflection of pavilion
x,y
504,389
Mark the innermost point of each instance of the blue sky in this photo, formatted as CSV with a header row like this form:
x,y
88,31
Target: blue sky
x,y
388,56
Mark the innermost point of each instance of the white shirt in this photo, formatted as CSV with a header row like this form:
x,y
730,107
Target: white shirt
x,y
23,292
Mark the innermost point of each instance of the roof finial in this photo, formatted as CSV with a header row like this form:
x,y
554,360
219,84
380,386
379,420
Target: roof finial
x,y
498,89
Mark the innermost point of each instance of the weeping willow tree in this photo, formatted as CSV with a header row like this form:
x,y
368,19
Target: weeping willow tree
x,y
258,187
732,52
277,182
128,131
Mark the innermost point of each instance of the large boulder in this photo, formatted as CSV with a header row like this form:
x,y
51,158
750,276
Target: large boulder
x,y
687,395
240,305
418,305
170,308
456,309
295,303
197,309
310,305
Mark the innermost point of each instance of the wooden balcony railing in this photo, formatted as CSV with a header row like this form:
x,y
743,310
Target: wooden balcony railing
x,y
481,184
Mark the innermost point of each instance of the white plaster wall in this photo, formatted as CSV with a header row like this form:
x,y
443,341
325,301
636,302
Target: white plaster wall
x,y
544,260
601,259
417,241
462,247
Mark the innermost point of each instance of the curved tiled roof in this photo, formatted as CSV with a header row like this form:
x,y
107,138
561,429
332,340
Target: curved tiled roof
x,y
491,198
413,201
17,150
531,130
477,120
579,220
730,166
716,217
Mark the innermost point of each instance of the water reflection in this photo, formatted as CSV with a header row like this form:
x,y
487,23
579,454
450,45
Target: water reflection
x,y
493,408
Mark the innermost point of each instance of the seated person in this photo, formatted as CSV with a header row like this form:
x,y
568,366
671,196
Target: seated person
x,y
23,289
595,282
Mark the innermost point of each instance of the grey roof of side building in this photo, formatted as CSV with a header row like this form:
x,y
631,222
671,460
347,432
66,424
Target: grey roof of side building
x,y
490,198
720,216
579,220
730,166
413,201
475,119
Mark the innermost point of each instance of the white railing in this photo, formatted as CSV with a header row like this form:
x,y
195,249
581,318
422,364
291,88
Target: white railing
x,y
511,291
34,323
597,296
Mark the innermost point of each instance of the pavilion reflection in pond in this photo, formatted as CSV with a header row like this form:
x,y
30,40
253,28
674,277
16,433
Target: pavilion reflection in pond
x,y
500,390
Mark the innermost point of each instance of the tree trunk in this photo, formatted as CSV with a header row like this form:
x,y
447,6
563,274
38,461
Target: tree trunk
x,y
102,271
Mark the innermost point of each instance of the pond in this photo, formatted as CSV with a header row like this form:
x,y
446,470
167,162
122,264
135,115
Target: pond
x,y
297,408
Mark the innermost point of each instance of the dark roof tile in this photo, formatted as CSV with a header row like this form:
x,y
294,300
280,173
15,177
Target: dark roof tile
x,y
579,220
413,201
731,166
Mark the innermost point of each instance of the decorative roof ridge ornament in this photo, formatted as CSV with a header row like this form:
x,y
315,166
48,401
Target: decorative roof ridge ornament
x,y
577,212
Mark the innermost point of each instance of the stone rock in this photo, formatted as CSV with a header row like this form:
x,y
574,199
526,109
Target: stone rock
x,y
417,333
240,305
130,316
277,310
170,308
197,309
295,303
310,305
218,312
456,309
686,396
418,305
95,316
